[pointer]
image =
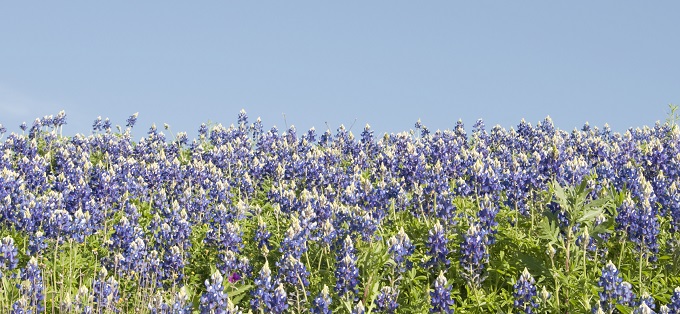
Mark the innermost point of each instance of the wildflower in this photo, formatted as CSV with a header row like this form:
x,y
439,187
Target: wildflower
x,y
132,120
359,308
105,292
346,271
181,303
643,309
441,301
21,306
234,277
295,242
262,236
614,289
8,255
436,244
674,305
545,295
32,287
322,303
261,296
214,300
387,300
474,255
157,305
648,300
293,271
279,300
400,249
525,293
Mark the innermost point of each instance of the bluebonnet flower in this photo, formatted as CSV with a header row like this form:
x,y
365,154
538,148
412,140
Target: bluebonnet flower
x,y
230,265
441,301
107,125
173,264
647,299
124,233
8,255
436,247
105,292
262,236
598,310
365,225
626,294
322,303
474,255
81,304
293,271
232,309
674,305
400,249
359,308
295,242
214,300
81,226
328,233
135,257
487,218
664,310
279,300
545,295
223,233
346,271
387,300
59,224
181,304
157,305
32,287
614,290
21,306
610,282
262,294
525,293
639,220
643,309
132,120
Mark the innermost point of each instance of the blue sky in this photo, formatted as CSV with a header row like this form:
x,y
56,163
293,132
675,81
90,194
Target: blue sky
x,y
386,63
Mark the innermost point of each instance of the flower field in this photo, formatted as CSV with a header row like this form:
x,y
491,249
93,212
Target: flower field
x,y
244,218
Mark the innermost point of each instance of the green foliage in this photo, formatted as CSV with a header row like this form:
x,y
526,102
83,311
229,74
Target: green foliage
x,y
548,247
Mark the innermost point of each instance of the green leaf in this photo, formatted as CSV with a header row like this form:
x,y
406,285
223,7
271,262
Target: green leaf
x,y
590,215
238,294
559,193
549,230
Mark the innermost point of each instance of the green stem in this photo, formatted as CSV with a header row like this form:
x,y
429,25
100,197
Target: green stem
x,y
54,275
585,268
640,269
623,249
297,299
304,291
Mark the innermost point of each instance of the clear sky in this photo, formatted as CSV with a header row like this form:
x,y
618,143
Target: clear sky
x,y
386,63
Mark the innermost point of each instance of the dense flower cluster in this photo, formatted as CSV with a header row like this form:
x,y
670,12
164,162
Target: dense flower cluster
x,y
315,205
